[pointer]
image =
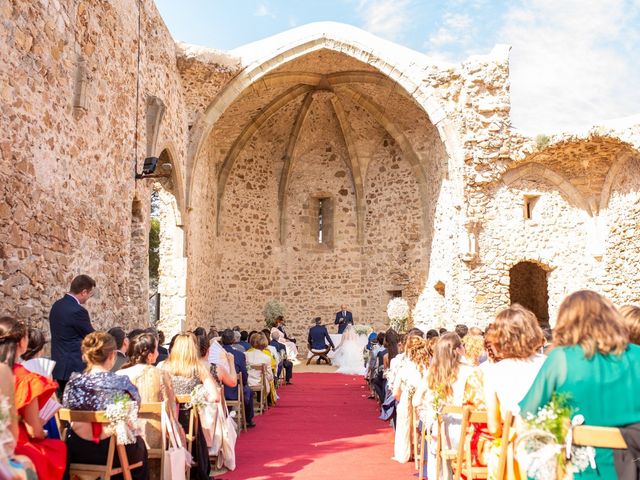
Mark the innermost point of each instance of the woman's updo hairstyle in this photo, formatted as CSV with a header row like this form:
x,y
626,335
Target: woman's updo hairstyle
x,y
140,347
36,343
96,348
11,332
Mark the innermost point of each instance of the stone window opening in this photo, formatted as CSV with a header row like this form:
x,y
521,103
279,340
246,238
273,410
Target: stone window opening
x,y
394,294
530,202
528,286
322,221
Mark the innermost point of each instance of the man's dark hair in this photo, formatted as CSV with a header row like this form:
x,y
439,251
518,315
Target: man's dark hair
x,y
267,333
244,336
227,336
432,333
317,320
236,328
251,333
134,333
119,335
161,337
442,331
82,282
380,338
461,330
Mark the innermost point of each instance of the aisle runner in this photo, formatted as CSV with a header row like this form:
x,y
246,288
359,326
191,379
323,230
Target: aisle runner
x,y
324,427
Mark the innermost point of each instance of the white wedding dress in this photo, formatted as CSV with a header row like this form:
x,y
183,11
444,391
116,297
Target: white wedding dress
x,y
348,357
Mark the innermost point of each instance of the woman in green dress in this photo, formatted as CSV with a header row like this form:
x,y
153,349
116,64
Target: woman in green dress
x,y
595,365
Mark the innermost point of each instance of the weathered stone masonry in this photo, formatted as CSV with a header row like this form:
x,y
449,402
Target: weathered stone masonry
x,y
424,181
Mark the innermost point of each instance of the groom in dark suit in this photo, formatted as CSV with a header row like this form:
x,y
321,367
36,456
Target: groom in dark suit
x,y
69,323
318,340
343,318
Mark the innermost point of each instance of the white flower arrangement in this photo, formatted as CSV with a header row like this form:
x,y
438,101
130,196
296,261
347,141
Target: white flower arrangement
x,y
363,329
123,418
198,397
544,448
398,313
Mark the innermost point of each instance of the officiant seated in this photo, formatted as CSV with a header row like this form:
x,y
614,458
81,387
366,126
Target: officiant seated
x,y
319,342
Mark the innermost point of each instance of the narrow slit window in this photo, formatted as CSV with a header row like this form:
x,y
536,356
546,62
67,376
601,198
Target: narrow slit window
x,y
321,213
529,205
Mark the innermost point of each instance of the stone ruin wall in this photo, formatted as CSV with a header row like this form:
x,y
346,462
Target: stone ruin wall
x,y
66,182
51,153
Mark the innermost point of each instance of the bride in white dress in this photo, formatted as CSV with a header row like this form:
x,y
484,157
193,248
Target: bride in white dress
x,y
348,357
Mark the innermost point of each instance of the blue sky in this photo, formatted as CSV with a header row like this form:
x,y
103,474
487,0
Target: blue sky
x,y
573,62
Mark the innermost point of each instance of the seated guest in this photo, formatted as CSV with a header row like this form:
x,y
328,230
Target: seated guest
x,y
255,357
32,360
594,364
280,326
514,340
276,336
187,370
153,384
631,319
240,365
379,381
461,330
236,342
244,340
12,466
224,371
163,353
446,379
122,344
274,351
31,392
319,340
95,389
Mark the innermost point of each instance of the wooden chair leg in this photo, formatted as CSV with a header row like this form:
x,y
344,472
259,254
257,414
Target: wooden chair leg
x,y
423,439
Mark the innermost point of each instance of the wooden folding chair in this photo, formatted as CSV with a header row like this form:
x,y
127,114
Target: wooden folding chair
x,y
192,432
444,451
153,411
107,470
464,459
598,437
238,406
260,391
507,425
414,436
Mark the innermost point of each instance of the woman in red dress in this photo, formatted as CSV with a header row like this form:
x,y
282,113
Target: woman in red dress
x,y
31,392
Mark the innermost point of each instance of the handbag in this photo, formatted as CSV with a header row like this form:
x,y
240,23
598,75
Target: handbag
x,y
176,457
225,435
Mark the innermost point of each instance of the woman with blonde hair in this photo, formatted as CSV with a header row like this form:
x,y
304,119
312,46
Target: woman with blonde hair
x,y
403,377
187,371
259,355
446,378
595,365
95,389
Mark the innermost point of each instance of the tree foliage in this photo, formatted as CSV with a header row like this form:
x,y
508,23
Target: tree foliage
x,y
154,248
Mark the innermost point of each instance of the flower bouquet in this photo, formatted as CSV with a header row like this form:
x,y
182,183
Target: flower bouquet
x,y
123,419
398,313
544,448
363,329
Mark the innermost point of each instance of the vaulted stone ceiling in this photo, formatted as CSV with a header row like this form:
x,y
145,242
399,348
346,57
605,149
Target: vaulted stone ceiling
x,y
365,103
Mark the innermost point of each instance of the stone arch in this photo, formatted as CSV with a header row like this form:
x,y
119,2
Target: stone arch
x,y
528,286
318,37
172,268
614,170
533,170
177,179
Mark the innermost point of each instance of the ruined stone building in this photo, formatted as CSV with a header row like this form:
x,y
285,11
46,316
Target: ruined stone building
x,y
318,167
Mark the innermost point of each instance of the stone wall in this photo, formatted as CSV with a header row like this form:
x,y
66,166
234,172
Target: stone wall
x,y
67,87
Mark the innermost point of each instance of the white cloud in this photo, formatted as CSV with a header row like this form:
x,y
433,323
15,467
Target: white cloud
x,y
457,28
573,62
264,10
387,18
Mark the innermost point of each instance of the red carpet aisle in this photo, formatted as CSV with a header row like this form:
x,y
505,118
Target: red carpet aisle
x,y
324,427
